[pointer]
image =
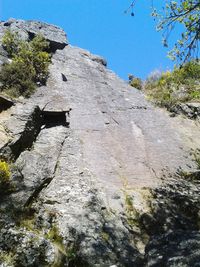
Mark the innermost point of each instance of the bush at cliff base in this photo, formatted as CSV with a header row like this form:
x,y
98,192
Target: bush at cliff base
x,y
4,174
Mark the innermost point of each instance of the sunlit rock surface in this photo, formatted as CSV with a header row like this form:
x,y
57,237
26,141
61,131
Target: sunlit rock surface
x,y
96,170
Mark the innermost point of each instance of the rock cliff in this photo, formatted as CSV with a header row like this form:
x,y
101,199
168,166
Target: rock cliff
x,y
100,177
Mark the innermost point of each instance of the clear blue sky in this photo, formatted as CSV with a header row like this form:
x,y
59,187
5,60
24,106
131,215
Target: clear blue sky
x,y
130,44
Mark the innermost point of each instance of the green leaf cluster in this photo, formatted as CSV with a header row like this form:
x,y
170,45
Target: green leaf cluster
x,y
187,14
182,13
29,65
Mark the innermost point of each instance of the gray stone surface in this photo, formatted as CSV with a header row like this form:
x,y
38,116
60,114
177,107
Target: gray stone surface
x,y
190,110
123,137
28,29
173,226
88,156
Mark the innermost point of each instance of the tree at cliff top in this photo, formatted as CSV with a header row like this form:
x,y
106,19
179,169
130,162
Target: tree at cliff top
x,y
182,12
29,65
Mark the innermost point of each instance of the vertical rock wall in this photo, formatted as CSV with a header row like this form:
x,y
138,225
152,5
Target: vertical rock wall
x,y
94,171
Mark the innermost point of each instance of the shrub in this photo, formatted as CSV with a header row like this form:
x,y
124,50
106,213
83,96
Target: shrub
x,y
17,78
180,85
191,70
135,82
41,62
4,174
10,42
39,44
29,66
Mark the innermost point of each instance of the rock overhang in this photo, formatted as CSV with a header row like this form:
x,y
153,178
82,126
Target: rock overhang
x,y
28,29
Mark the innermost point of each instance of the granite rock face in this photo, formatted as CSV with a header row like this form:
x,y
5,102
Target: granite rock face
x,y
95,171
28,29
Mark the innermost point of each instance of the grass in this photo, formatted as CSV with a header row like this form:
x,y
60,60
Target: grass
x,y
52,234
131,213
133,219
7,257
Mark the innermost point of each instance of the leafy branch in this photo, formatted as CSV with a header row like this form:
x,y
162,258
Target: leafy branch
x,y
185,13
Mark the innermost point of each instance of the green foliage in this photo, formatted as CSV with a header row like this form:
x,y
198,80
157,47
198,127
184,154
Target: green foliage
x,y
4,174
7,257
180,85
39,44
105,236
10,42
41,62
53,235
187,14
17,78
131,212
190,70
135,82
29,66
184,13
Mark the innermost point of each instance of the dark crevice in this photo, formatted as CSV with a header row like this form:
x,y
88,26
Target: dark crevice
x,y
7,23
37,191
54,118
138,107
56,46
64,78
31,36
5,103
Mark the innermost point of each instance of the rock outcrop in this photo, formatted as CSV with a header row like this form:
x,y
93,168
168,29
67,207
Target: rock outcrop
x,y
99,176
190,110
28,29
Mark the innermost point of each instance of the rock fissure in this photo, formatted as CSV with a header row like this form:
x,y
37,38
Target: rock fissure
x,y
33,124
138,107
37,191
47,172
5,103
25,139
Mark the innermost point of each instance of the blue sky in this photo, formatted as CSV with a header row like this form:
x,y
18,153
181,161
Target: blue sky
x,y
130,44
